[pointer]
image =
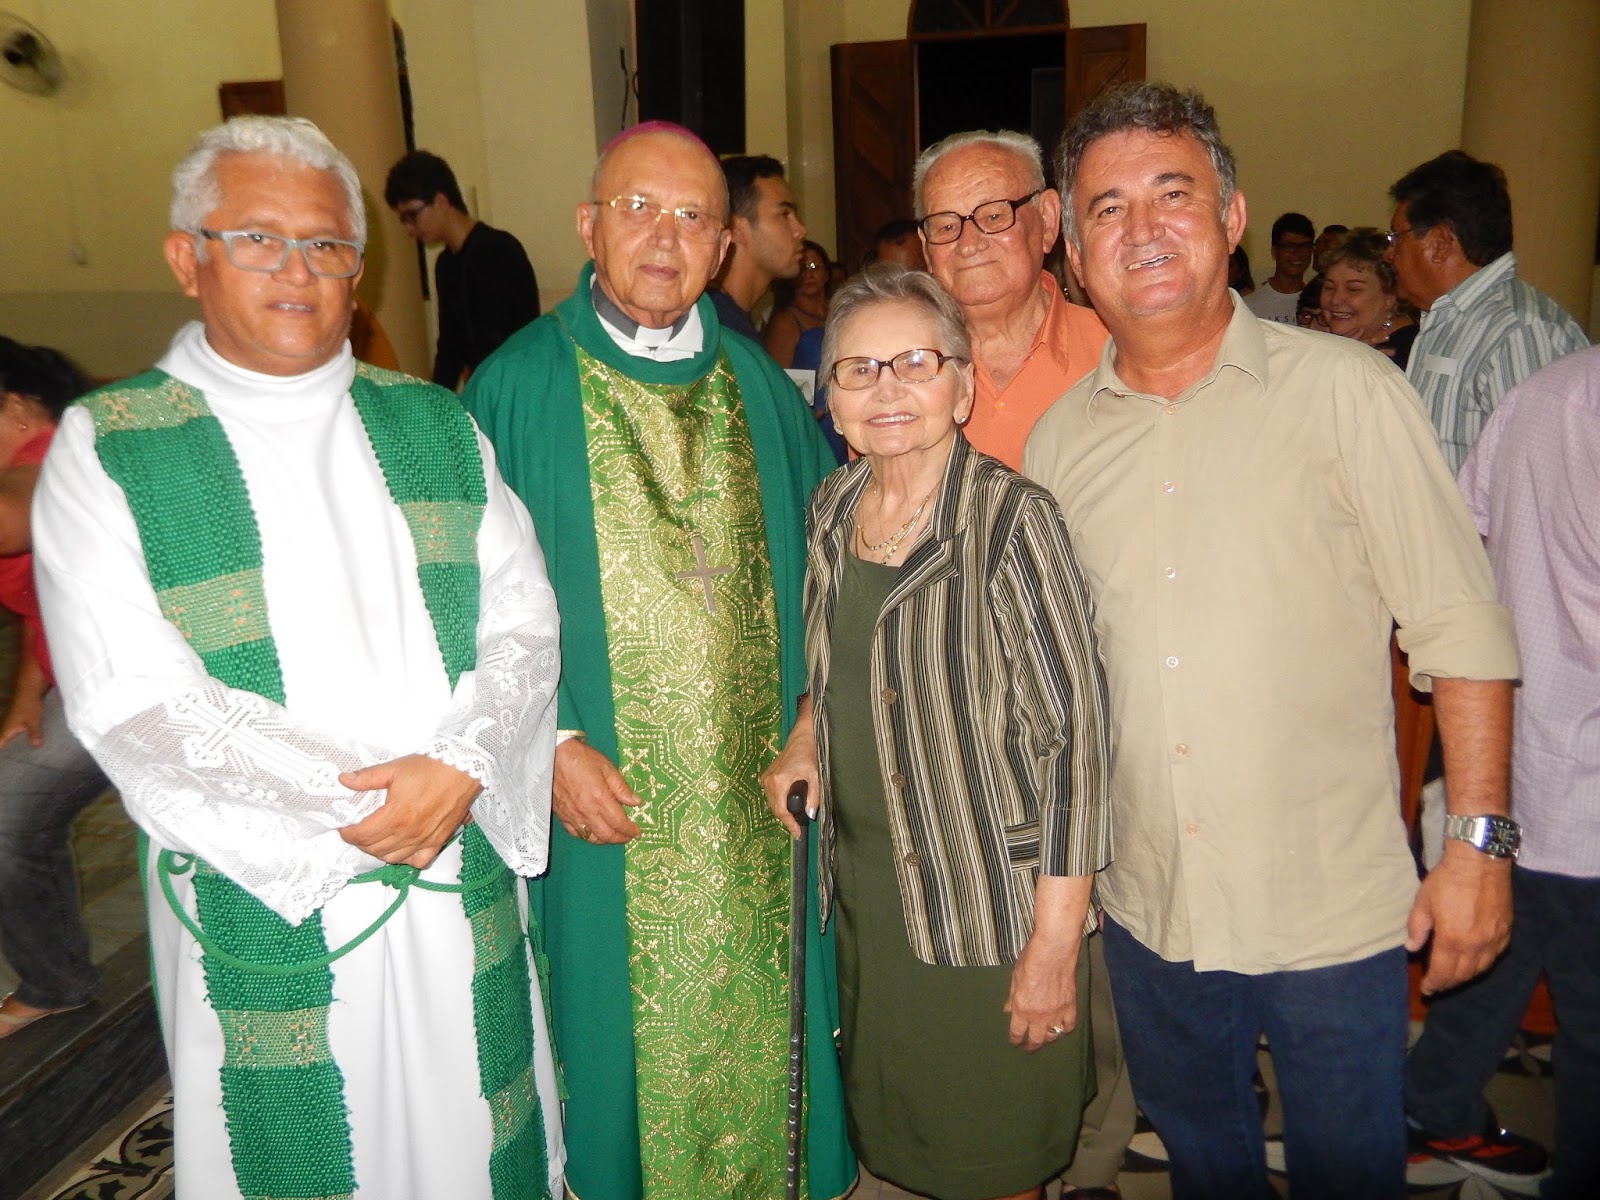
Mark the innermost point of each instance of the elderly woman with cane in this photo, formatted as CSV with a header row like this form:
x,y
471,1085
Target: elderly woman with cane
x,y
957,752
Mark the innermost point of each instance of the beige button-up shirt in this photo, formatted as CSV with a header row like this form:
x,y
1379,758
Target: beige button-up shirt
x,y
1247,545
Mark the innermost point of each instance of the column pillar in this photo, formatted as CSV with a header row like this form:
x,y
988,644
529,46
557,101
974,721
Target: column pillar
x,y
1533,106
339,70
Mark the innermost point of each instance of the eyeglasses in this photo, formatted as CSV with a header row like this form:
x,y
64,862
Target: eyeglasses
x,y
330,258
858,373
993,216
1392,238
410,211
1294,245
635,212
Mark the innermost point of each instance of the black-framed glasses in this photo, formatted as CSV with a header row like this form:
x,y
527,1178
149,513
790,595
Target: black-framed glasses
x,y
636,212
992,216
857,373
252,250
410,210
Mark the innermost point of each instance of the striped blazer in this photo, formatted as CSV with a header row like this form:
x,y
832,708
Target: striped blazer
x,y
989,706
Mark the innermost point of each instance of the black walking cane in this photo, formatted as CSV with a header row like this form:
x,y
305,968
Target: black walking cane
x,y
798,887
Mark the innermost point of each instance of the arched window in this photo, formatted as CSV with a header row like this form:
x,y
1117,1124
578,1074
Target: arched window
x,y
966,18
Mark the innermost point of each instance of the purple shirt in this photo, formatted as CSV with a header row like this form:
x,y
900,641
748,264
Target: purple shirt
x,y
1532,483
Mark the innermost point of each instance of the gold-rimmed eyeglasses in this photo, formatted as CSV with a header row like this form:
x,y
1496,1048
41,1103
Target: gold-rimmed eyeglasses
x,y
637,213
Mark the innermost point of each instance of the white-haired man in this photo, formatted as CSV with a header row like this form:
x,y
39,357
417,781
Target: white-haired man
x,y
667,469
1254,506
987,221
307,632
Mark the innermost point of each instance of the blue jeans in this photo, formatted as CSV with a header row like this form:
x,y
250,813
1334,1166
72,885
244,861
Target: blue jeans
x,y
1555,928
41,928
1338,1042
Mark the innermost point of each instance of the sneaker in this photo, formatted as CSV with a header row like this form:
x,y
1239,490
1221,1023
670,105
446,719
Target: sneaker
x,y
1505,1159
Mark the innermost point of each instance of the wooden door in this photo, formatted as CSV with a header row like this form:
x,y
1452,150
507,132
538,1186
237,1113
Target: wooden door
x,y
1100,58
875,137
874,141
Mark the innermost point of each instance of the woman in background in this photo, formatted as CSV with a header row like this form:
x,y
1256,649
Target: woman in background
x,y
799,304
1359,299
46,777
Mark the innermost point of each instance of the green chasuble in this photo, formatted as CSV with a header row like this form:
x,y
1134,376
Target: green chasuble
x,y
668,956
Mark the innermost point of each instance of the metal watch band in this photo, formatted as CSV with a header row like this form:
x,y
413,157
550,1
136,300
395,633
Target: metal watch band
x,y
1494,835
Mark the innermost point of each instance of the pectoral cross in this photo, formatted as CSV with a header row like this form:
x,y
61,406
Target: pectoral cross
x,y
702,572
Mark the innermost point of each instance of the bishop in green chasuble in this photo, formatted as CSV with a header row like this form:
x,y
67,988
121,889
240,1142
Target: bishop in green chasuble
x,y
669,498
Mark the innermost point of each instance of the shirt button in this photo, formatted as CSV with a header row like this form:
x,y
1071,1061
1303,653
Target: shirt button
x,y
912,859
1171,409
1169,487
1181,749
1171,572
1192,828
889,695
898,779
1172,660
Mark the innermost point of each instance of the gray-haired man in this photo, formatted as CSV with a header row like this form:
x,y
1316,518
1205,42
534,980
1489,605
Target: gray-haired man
x,y
1254,505
307,632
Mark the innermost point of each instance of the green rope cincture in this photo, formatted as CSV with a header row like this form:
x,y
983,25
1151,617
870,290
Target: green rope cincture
x,y
269,982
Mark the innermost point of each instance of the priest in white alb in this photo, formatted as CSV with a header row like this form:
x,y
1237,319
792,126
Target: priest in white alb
x,y
308,633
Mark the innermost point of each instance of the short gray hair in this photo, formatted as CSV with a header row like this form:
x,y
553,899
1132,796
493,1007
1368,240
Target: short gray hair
x,y
1020,144
890,283
196,191
1153,107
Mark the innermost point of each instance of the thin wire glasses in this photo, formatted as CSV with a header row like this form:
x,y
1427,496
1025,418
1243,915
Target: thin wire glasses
x,y
250,250
635,212
1393,236
922,365
992,216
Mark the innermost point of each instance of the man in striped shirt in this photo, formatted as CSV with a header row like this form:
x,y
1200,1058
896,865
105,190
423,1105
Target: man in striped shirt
x,y
1483,329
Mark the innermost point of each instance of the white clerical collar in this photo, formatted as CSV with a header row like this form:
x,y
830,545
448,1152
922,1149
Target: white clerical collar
x,y
192,359
683,339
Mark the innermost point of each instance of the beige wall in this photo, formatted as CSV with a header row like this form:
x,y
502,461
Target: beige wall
x,y
87,168
1322,113
1324,108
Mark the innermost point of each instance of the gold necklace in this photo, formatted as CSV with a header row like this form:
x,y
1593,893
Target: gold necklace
x,y
890,544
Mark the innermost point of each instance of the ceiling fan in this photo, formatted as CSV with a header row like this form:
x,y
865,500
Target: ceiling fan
x,y
28,62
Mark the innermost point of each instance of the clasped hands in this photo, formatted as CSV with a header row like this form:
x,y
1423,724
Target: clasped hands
x,y
425,802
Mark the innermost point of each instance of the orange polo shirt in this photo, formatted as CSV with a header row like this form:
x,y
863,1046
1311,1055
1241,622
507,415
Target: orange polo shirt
x,y
1066,348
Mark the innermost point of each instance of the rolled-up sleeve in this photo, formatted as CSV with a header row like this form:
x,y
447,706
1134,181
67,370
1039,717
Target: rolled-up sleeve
x,y
1426,555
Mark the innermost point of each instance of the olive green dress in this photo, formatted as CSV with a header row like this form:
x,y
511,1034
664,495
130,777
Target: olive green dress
x,y
937,1099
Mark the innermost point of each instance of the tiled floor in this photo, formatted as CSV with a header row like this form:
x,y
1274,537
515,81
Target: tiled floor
x,y
1521,1094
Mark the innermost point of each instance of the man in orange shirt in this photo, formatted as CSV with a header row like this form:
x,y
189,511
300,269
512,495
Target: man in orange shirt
x,y
987,221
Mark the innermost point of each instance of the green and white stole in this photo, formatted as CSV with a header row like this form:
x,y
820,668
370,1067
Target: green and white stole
x,y
269,982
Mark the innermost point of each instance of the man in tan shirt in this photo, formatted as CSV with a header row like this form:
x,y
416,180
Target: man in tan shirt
x,y
987,221
1253,504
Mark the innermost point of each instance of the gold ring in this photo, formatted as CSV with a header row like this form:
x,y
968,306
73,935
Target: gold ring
x,y
1058,1030
585,833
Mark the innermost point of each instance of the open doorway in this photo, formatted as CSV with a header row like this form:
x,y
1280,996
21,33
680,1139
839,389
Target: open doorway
x,y
992,83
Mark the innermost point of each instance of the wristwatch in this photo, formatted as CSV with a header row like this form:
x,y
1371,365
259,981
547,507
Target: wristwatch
x,y
1496,836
